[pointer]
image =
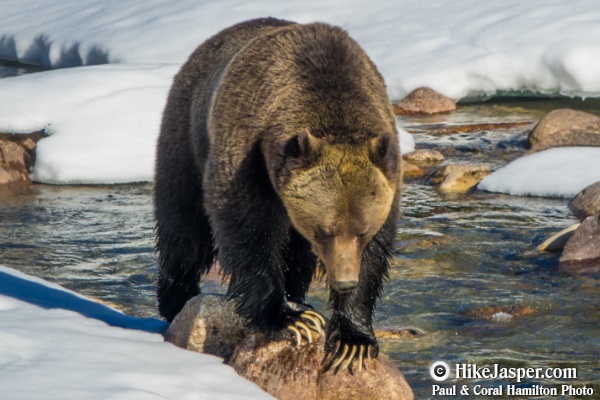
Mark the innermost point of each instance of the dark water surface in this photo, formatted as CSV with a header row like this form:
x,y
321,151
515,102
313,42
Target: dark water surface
x,y
12,68
455,254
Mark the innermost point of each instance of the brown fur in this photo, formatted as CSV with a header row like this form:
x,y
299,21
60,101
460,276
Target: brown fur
x,y
278,138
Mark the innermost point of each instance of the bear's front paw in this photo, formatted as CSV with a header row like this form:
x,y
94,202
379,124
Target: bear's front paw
x,y
348,341
303,321
306,322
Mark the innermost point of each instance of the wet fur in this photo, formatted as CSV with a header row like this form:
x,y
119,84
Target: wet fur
x,y
231,126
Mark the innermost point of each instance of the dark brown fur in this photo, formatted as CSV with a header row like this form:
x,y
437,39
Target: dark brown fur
x,y
258,114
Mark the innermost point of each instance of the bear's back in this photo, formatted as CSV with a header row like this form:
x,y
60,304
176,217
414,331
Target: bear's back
x,y
189,99
312,76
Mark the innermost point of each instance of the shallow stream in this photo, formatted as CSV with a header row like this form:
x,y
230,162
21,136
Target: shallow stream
x,y
456,256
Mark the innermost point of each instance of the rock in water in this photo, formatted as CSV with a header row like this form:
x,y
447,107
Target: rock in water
x,y
17,158
462,178
209,324
289,373
424,157
584,245
410,170
565,127
587,202
424,101
558,241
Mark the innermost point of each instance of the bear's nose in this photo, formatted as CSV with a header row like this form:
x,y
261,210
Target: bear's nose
x,y
343,286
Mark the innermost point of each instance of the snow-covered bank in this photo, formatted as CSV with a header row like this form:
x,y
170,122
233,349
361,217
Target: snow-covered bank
x,y
55,344
457,48
104,120
558,172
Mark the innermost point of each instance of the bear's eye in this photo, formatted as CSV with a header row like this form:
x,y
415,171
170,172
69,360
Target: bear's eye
x,y
323,234
363,234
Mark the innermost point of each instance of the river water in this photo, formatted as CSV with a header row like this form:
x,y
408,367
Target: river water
x,y
455,255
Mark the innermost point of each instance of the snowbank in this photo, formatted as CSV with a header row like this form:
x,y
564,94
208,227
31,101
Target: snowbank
x,y
104,120
558,172
55,344
458,48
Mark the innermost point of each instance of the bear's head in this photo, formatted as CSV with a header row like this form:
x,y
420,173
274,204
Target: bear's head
x,y
338,196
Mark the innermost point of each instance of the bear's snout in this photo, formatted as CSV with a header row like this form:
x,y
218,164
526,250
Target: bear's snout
x,y
342,262
343,286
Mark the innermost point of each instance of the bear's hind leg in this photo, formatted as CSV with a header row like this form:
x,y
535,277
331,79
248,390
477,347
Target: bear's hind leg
x,y
184,244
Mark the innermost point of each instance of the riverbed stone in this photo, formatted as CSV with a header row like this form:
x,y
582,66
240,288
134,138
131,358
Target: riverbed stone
x,y
565,127
584,245
424,101
424,157
461,178
209,324
586,202
17,158
13,164
293,373
410,170
496,313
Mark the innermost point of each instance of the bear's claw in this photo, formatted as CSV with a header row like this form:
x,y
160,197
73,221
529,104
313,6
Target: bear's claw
x,y
317,319
347,356
299,327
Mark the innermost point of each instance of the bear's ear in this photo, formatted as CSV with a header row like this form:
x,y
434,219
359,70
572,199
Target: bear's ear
x,y
385,155
303,146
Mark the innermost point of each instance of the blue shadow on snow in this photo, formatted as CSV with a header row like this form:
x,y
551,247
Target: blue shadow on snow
x,y
46,297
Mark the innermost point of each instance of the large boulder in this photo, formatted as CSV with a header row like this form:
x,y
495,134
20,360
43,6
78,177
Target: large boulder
x,y
565,127
289,373
583,248
209,324
424,101
587,202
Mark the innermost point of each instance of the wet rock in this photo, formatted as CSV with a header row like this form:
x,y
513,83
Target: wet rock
x,y
17,157
210,325
423,242
410,170
587,202
399,334
424,101
565,127
461,178
424,157
445,129
558,241
584,245
501,313
289,373
207,324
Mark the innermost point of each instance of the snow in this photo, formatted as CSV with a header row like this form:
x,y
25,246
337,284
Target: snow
x,y
407,141
56,344
104,120
558,172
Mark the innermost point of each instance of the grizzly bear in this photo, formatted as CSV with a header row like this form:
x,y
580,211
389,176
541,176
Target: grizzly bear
x,y
278,152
